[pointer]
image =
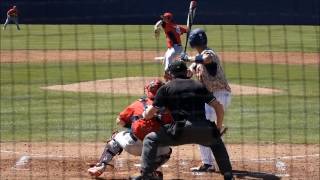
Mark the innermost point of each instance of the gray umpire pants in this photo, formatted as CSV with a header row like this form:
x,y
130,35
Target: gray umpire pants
x,y
200,132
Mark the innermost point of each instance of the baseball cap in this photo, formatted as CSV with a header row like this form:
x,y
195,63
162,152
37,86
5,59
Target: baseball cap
x,y
168,15
178,69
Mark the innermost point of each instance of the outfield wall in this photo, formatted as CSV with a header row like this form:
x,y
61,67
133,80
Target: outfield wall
x,y
147,11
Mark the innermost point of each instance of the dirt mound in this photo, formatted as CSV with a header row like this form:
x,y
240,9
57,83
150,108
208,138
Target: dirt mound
x,y
41,56
134,86
69,161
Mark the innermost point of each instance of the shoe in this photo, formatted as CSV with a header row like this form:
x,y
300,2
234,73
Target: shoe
x,y
157,175
97,170
228,176
203,168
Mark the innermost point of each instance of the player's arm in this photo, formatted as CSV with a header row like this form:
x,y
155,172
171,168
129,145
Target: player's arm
x,y
207,59
183,29
120,122
158,25
192,70
150,112
123,119
157,28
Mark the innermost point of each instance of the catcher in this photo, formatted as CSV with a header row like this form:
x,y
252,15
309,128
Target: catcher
x,y
173,33
131,139
12,16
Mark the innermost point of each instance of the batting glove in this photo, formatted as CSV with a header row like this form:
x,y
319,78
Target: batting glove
x,y
184,57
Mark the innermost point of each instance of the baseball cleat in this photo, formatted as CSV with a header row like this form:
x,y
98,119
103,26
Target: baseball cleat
x,y
97,170
156,175
203,168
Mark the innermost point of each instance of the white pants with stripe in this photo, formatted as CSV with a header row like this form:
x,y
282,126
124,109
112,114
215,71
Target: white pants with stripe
x,y
171,55
224,97
11,19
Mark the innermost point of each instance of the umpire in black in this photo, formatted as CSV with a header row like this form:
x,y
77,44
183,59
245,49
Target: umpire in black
x,y
186,99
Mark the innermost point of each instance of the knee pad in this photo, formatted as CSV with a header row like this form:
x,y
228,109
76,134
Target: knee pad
x,y
111,149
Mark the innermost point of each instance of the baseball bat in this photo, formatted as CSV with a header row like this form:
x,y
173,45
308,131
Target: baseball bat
x,y
191,14
223,131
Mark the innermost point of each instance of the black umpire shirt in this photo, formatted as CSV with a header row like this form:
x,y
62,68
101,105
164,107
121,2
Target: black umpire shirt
x,y
185,98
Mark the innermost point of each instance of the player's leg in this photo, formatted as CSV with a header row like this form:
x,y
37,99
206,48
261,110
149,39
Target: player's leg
x,y
206,155
224,97
6,23
124,140
113,147
168,58
171,55
16,21
202,132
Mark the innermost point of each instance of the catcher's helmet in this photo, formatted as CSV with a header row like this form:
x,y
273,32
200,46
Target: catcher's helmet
x,y
197,37
152,88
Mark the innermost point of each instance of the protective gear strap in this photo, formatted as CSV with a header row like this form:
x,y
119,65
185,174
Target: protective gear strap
x,y
111,149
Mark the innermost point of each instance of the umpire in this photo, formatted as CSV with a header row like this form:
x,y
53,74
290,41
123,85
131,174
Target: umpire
x,y
186,99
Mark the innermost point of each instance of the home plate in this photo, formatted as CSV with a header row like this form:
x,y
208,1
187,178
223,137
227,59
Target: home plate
x,y
198,173
137,165
282,175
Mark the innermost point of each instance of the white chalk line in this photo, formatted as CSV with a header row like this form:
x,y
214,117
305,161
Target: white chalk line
x,y
262,160
272,159
36,155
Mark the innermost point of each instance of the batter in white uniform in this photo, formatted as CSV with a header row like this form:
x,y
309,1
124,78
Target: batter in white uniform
x,y
207,69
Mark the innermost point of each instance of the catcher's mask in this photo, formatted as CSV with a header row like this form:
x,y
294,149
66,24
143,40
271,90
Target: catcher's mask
x,y
152,88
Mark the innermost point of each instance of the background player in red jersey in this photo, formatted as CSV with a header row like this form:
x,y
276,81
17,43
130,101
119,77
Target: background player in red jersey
x,y
173,33
12,16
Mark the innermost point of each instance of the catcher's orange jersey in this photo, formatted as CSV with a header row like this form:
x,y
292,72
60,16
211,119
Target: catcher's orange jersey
x,y
134,110
132,116
12,12
142,127
173,33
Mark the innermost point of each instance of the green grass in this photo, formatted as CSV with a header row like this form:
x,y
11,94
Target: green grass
x,y
222,38
28,113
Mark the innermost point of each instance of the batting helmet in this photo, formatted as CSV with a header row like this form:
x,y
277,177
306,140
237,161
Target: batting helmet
x,y
197,37
152,88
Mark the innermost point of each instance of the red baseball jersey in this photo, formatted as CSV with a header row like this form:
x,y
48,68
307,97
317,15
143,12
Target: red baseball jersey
x,y
132,116
12,12
134,110
142,127
173,33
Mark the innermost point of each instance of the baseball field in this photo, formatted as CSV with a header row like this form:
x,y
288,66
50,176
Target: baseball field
x,y
62,87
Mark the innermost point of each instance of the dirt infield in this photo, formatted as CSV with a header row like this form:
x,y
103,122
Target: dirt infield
x,y
133,86
69,161
19,56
